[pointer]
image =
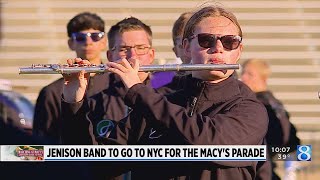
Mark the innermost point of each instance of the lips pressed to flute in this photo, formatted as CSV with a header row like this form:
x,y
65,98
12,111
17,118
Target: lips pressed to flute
x,y
68,69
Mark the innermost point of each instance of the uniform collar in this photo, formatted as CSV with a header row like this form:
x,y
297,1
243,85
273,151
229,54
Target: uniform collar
x,y
218,92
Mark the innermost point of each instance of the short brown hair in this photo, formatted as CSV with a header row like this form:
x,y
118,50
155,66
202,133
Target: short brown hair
x,y
84,21
127,24
179,25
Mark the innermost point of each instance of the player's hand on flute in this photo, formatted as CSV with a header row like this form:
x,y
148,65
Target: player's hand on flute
x,y
75,84
127,70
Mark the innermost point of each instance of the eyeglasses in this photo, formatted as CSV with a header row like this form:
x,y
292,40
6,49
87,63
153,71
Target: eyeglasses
x,y
139,49
82,37
229,42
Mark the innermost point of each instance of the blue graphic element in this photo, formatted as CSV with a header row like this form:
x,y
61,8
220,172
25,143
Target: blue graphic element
x,y
304,152
104,128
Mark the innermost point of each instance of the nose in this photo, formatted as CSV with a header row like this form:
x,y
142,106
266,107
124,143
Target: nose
x,y
217,48
131,52
88,40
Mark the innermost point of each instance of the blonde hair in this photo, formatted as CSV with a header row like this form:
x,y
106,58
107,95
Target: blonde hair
x,y
209,11
261,66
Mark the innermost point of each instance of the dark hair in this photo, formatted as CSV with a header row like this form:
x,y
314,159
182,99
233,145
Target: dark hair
x,y
179,24
127,24
83,21
209,11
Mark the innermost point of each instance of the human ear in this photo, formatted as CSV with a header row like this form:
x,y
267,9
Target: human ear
x,y
109,56
186,47
174,49
151,54
71,44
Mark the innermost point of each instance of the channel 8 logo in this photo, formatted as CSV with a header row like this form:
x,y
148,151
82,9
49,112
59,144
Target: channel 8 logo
x,y
304,152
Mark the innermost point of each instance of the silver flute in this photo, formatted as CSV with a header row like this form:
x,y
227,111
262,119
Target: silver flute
x,y
75,68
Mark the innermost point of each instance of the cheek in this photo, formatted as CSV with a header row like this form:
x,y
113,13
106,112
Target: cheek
x,y
77,45
98,46
247,81
79,49
181,52
245,78
198,57
114,57
232,57
144,60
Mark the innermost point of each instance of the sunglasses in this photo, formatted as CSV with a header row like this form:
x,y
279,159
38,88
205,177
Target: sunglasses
x,y
229,42
82,37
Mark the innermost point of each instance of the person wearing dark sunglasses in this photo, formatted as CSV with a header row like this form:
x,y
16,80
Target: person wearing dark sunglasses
x,y
207,40
213,108
81,37
88,40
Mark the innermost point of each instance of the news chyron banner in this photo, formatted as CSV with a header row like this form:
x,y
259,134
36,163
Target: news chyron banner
x,y
132,153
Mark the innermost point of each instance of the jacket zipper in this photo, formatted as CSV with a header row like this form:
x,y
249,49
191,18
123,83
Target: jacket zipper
x,y
195,102
193,105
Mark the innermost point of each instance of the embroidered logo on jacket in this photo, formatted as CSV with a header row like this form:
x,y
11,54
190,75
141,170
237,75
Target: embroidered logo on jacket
x,y
104,128
153,134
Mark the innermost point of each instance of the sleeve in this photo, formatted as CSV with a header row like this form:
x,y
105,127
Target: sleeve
x,y
76,126
46,115
243,124
277,133
281,131
294,140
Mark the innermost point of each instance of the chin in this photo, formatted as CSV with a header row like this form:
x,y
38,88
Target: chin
x,y
218,74
208,75
89,56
